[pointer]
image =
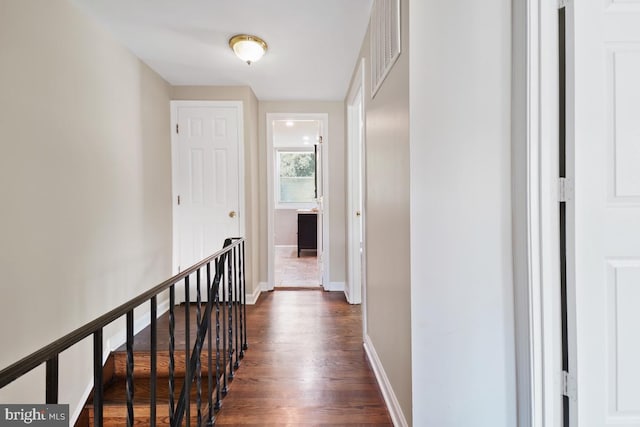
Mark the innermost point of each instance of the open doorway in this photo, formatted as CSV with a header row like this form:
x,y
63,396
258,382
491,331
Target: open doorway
x,y
355,192
297,224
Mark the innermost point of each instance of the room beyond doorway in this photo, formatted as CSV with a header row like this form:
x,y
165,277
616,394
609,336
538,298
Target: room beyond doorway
x,y
297,194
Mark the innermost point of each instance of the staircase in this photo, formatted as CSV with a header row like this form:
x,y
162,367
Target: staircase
x,y
115,394
177,370
180,335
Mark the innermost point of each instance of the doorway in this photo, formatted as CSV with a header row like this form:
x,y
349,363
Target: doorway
x,y
355,190
583,205
297,220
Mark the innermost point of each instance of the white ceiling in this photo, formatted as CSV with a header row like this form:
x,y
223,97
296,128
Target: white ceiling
x,y
295,133
313,44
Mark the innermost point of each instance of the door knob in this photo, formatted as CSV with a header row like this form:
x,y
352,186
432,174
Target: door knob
x,y
358,213
232,214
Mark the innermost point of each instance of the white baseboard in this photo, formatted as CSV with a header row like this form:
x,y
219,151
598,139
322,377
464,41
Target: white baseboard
x,y
87,391
335,287
397,416
264,287
106,351
85,396
253,297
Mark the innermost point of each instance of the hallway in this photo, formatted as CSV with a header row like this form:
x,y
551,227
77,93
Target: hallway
x,y
305,365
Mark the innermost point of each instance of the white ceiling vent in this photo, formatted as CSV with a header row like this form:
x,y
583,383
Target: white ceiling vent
x,y
385,40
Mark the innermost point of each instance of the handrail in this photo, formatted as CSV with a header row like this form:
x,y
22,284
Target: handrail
x,y
231,256
37,358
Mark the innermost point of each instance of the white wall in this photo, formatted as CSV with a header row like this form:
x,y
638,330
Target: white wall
x,y
85,184
285,227
463,362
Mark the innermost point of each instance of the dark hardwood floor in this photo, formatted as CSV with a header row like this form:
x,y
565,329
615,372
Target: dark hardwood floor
x,y
305,365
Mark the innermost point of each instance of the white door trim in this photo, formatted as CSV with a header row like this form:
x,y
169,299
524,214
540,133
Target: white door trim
x,y
174,158
324,118
355,294
535,213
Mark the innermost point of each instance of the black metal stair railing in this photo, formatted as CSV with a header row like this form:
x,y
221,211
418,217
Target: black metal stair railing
x,y
226,297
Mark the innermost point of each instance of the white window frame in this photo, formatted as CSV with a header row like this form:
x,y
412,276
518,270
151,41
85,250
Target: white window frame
x,y
276,179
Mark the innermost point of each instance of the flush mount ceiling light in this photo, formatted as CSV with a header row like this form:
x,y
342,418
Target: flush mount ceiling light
x,y
248,48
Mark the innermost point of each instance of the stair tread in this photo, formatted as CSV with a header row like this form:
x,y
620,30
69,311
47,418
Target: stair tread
x,y
115,407
115,393
142,363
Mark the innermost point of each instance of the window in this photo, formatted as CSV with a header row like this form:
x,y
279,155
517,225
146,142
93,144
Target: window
x,y
296,175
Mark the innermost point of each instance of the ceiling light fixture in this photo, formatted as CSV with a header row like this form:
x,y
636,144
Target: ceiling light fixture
x,y
248,48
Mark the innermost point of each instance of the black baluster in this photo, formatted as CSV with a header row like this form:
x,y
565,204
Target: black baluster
x,y
187,338
129,384
236,302
198,352
223,296
51,391
98,389
230,311
245,346
172,348
154,360
210,418
217,302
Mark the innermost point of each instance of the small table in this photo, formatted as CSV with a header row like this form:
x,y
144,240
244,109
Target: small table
x,y
307,230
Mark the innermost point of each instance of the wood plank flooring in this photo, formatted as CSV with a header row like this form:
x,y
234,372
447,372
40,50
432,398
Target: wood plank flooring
x,y
305,365
291,270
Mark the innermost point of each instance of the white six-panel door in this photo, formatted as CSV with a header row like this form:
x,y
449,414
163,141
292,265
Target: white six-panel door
x,y
206,178
606,108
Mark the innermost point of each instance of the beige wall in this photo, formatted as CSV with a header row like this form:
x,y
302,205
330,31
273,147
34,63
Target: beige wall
x,y
85,180
388,291
336,145
251,159
285,227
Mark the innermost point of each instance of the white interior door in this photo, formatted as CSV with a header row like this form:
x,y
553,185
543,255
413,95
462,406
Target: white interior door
x,y
207,184
606,140
354,203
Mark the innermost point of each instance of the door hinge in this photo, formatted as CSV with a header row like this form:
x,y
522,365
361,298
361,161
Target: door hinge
x,y
178,200
177,128
562,3
569,385
565,189
320,139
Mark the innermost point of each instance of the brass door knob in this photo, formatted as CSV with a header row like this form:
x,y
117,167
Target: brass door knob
x,y
232,214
